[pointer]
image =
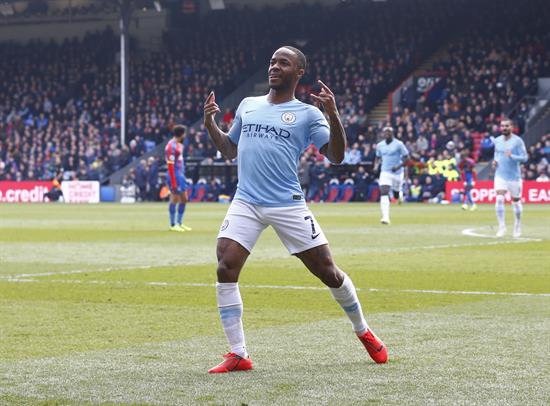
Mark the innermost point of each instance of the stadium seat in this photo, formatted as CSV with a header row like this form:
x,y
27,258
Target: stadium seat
x,y
347,191
333,191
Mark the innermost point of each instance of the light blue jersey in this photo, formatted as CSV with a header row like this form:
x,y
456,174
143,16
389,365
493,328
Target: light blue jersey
x,y
270,140
508,167
392,154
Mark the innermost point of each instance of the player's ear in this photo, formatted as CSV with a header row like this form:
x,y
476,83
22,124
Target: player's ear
x,y
301,72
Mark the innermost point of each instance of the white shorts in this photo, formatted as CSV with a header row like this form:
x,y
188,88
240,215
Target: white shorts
x,y
393,180
512,186
295,225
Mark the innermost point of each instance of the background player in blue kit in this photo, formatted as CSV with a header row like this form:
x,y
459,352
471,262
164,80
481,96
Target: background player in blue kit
x,y
510,152
175,178
392,153
268,135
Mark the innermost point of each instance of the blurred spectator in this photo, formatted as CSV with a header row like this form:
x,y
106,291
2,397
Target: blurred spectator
x,y
153,186
415,191
361,181
127,191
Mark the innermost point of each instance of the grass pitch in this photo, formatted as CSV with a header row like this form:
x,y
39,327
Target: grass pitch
x,y
102,305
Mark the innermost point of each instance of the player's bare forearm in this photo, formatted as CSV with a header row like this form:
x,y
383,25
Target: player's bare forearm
x,y
221,140
336,147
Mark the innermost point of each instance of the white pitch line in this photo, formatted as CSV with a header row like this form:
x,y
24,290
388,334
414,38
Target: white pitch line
x,y
388,250
471,232
282,287
75,271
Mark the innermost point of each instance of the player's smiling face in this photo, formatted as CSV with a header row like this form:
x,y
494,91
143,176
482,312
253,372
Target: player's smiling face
x,y
283,70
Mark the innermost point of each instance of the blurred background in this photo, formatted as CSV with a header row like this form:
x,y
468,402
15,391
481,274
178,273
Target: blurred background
x,y
90,90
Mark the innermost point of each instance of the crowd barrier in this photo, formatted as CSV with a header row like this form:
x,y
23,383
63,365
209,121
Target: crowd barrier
x,y
90,192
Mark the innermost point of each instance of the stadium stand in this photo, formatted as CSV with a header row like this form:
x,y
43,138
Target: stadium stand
x,y
69,118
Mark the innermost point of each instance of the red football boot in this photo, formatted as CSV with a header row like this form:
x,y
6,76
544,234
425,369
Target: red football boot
x,y
232,362
375,347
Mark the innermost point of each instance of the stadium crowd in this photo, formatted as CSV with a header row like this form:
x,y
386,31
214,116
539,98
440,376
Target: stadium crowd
x,y
490,70
69,118
37,9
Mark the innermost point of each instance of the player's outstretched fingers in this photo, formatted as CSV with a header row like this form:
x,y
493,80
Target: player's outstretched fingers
x,y
325,88
211,98
320,98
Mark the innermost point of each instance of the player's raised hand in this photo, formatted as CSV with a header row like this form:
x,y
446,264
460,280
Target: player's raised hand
x,y
326,99
210,108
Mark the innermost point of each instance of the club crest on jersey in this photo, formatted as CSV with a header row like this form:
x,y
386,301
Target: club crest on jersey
x,y
288,117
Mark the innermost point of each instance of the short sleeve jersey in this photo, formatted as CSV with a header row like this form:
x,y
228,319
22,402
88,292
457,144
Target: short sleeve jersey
x,y
270,139
173,152
392,154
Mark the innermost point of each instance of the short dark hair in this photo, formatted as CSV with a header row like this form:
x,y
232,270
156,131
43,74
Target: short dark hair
x,y
302,61
179,130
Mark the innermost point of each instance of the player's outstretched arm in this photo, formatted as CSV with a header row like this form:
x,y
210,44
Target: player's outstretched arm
x,y
220,139
336,146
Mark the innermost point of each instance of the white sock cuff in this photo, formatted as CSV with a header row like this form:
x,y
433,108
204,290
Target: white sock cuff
x,y
228,294
345,291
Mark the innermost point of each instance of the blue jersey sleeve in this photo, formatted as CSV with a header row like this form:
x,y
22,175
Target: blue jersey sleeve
x,y
519,153
319,130
235,130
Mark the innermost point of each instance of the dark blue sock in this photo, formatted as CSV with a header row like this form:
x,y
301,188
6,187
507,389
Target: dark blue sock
x,y
181,210
172,211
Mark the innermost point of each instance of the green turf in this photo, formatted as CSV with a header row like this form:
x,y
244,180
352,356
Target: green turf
x,y
102,305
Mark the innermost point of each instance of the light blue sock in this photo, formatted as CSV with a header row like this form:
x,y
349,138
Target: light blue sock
x,y
346,297
499,206
172,211
181,210
469,197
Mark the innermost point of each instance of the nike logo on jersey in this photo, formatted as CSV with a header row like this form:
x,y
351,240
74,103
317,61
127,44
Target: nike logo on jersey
x,y
249,111
314,236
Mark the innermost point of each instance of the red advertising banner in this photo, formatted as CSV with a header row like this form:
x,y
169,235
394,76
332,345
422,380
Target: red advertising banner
x,y
483,192
23,192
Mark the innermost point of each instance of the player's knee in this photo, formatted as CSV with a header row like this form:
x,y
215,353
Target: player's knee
x,y
330,275
226,272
